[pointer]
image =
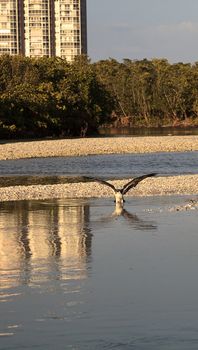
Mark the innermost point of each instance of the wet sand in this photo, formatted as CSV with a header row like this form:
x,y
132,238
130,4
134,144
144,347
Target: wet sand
x,y
185,185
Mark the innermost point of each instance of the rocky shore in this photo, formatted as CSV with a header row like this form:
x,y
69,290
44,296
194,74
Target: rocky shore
x,y
184,184
102,145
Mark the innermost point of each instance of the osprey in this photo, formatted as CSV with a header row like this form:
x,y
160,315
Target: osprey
x,y
120,192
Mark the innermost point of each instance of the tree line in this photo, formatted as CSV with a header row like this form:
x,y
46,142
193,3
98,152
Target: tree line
x,y
50,97
151,92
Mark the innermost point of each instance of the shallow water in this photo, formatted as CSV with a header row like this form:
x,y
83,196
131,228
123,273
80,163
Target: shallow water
x,y
145,131
75,277
69,169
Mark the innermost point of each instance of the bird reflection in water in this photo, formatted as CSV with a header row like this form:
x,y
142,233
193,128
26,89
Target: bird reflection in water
x,y
133,219
119,201
40,239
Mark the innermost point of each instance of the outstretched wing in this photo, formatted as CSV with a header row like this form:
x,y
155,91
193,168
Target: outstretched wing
x,y
101,182
135,181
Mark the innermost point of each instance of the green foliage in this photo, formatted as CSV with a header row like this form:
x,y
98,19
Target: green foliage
x,y
151,92
50,97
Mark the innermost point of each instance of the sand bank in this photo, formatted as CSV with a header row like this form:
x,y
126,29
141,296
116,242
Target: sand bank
x,y
185,185
88,146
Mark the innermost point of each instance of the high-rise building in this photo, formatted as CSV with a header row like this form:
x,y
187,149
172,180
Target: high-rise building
x,y
11,27
70,28
38,27
43,28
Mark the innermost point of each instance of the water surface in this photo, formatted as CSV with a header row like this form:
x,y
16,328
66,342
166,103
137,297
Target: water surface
x,y
54,170
145,131
74,276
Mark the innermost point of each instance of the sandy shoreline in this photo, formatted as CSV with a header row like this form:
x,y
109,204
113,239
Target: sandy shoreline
x,y
106,145
184,184
174,185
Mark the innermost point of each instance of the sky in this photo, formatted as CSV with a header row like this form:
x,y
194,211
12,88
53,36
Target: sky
x,y
138,29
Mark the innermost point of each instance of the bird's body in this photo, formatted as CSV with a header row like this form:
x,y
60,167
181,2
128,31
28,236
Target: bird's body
x,y
120,192
119,197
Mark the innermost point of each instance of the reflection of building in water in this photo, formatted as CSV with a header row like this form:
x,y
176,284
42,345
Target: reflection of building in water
x,y
37,239
11,249
71,231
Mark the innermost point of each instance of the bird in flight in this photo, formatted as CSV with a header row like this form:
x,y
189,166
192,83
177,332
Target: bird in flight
x,y
120,192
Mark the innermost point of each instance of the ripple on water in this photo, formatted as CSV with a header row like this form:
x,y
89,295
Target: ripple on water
x,y
113,166
83,284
